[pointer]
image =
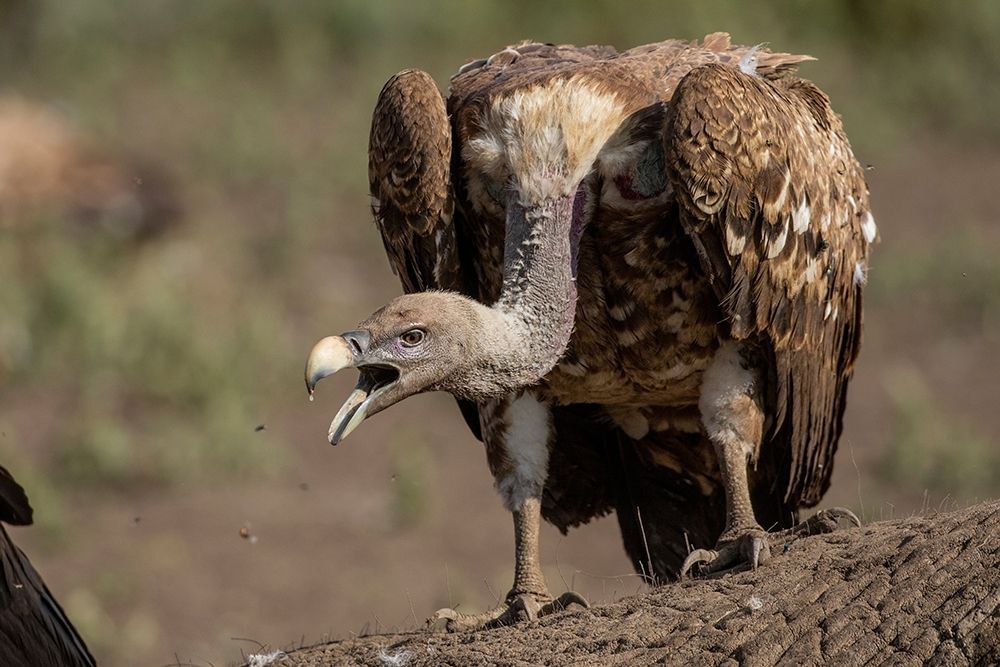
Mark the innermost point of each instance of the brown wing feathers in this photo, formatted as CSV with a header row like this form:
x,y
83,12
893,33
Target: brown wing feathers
x,y
409,173
775,203
34,630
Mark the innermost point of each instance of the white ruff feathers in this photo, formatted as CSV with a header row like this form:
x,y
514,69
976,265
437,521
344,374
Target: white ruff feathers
x,y
528,428
726,387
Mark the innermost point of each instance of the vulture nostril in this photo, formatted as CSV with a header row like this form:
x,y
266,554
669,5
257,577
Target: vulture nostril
x,y
358,340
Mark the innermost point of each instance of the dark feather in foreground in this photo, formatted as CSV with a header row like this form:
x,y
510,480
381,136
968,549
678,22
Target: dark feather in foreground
x,y
34,630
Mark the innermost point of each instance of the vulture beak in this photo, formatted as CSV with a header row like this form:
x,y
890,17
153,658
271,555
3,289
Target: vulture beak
x,y
349,350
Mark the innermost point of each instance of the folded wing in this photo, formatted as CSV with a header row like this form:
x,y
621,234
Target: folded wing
x,y
777,207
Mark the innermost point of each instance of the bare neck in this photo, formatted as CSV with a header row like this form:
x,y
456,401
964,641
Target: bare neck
x,y
527,330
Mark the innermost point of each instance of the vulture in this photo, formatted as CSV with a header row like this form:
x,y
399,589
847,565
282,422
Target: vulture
x,y
641,276
34,630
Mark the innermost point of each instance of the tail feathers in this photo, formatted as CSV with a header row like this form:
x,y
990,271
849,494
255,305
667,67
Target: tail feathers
x,y
665,488
669,499
662,512
663,505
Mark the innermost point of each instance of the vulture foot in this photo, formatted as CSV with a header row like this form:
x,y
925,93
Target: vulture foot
x,y
735,548
752,546
517,608
824,521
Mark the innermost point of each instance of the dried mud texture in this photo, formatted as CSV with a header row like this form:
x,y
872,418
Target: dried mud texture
x,y
925,590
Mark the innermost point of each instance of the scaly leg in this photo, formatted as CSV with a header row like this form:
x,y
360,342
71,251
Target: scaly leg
x,y
517,432
529,598
733,420
743,540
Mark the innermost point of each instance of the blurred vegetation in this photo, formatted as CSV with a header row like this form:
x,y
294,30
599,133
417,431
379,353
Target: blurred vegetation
x,y
949,288
957,277
410,480
932,451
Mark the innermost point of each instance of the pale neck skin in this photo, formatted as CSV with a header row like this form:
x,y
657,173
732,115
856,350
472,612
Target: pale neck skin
x,y
522,336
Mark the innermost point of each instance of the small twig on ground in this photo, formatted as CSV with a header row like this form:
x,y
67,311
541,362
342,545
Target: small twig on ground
x,y
857,470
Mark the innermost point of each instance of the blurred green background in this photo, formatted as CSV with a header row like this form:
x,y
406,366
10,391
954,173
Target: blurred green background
x,y
199,215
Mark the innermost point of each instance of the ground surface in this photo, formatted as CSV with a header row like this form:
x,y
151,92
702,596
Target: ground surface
x,y
920,591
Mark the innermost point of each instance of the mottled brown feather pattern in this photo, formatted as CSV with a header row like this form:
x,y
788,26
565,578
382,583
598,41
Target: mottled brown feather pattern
x,y
753,229
769,162
409,173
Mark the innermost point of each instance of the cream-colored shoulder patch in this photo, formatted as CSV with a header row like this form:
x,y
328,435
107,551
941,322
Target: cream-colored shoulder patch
x,y
546,137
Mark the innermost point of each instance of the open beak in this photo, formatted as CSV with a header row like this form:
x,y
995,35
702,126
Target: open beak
x,y
335,353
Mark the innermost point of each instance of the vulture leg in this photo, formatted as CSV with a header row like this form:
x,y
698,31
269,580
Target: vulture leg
x,y
732,416
517,432
733,419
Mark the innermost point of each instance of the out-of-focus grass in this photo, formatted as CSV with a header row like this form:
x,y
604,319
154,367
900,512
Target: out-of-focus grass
x,y
410,482
956,276
138,366
948,285
933,451
89,609
893,66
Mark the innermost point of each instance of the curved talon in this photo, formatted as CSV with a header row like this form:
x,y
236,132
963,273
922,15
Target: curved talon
x,y
824,521
522,607
697,557
751,545
440,615
760,551
456,621
446,613
525,604
837,513
563,602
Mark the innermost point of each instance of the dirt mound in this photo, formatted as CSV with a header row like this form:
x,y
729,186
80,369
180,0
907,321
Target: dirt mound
x,y
925,589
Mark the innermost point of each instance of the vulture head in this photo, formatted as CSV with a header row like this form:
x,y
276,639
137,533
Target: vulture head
x,y
529,157
429,341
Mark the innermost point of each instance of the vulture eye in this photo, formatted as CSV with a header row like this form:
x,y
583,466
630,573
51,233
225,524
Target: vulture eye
x,y
412,338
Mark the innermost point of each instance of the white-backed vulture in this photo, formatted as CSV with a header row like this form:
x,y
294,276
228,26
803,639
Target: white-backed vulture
x,y
641,275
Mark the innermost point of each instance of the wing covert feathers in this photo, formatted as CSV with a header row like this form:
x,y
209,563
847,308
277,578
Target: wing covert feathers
x,y
409,175
777,208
